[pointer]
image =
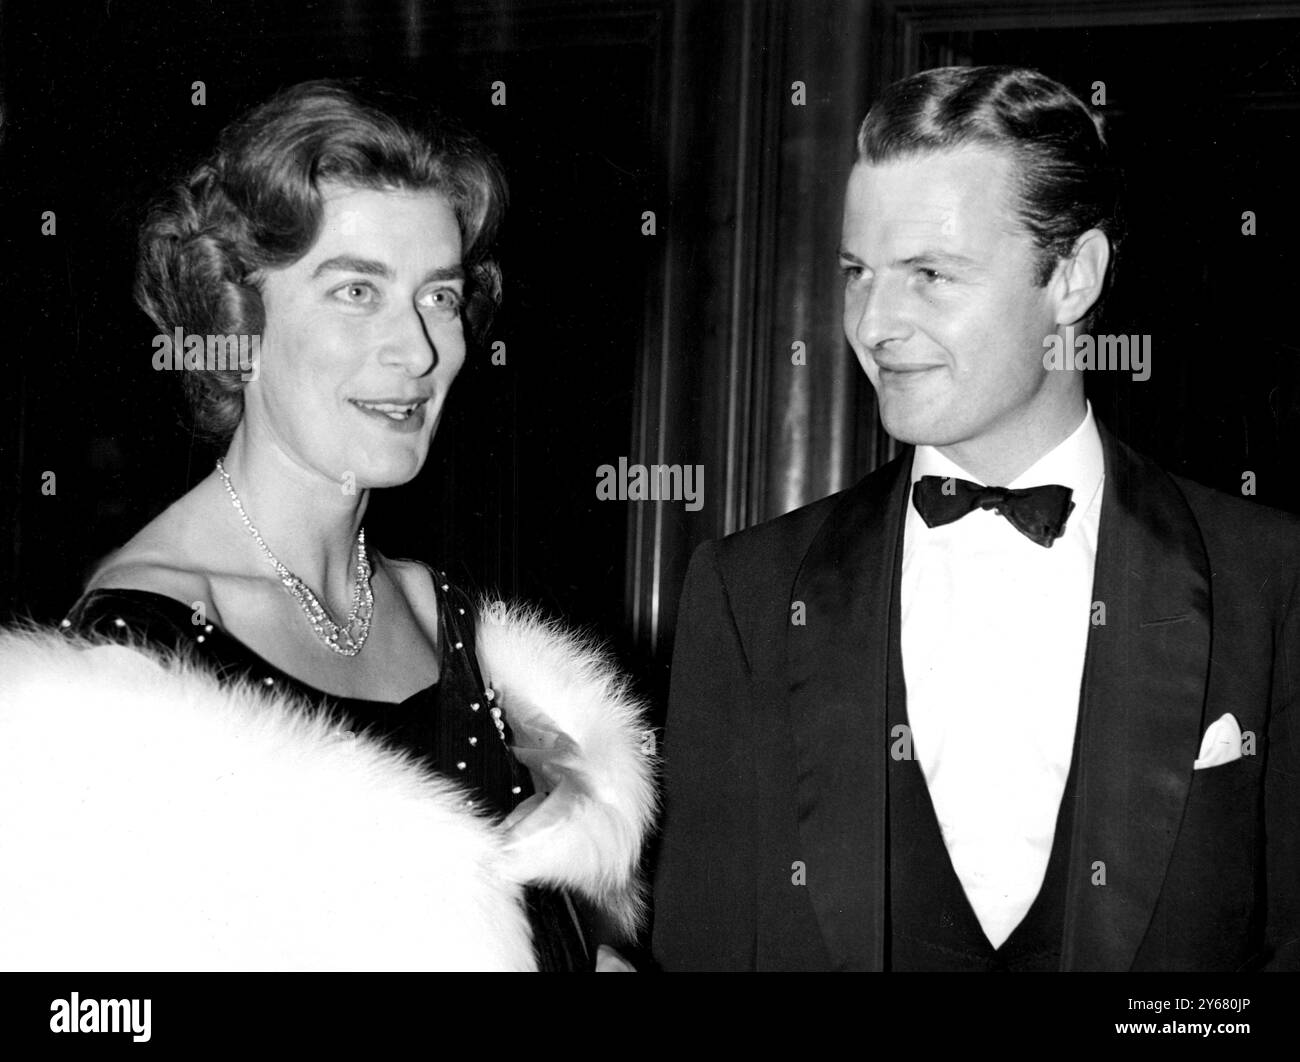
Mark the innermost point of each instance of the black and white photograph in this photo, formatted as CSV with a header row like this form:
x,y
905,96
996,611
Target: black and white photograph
x,y
653,487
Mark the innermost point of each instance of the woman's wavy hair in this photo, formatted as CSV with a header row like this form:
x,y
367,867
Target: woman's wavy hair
x,y
256,204
1067,179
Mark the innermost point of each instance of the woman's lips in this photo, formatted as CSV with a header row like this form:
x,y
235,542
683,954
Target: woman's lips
x,y
402,417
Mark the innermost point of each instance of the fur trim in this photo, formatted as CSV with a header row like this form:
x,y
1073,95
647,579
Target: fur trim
x,y
585,739
152,819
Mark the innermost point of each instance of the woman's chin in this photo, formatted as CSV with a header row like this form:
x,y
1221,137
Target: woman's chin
x,y
377,475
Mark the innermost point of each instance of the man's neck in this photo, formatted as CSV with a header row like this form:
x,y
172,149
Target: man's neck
x,y
999,457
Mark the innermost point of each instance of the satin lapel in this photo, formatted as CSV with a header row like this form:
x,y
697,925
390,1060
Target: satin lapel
x,y
1141,707
837,663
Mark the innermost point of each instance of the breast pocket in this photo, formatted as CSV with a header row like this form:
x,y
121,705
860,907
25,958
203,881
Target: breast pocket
x,y
1205,917
1217,849
1234,784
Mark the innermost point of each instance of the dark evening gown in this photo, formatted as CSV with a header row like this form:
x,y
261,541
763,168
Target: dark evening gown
x,y
452,725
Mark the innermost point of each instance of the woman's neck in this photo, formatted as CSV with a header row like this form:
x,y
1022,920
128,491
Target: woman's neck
x,y
307,520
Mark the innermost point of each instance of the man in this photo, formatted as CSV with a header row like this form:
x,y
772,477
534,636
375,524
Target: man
x,y
928,725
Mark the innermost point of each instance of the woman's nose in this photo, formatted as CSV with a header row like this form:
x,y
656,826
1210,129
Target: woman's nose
x,y
410,346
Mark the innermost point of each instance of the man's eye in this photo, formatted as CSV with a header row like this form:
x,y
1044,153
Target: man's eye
x,y
850,272
359,293
445,303
932,276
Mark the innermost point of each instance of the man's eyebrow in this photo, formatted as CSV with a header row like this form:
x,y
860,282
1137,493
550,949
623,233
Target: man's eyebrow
x,y
946,259
371,267
941,258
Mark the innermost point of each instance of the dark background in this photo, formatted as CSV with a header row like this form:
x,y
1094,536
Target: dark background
x,y
673,348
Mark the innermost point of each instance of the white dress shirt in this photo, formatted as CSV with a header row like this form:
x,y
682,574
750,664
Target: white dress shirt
x,y
994,630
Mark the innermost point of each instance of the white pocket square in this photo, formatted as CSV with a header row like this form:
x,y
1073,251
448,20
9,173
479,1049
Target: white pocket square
x,y
1221,744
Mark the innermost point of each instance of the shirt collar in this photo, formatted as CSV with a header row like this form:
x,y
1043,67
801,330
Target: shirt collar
x,y
1076,462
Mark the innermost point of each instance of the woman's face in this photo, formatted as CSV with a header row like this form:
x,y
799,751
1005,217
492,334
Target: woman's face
x,y
363,338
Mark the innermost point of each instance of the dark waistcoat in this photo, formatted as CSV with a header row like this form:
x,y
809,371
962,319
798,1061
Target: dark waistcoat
x,y
931,925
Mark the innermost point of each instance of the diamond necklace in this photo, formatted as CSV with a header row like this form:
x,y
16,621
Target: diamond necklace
x,y
340,638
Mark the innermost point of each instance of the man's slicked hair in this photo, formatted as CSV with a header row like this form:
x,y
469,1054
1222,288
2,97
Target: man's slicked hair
x,y
1067,182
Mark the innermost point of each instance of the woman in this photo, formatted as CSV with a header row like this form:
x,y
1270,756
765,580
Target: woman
x,y
356,244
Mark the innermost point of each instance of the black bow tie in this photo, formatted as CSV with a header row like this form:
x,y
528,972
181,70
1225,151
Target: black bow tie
x,y
1038,513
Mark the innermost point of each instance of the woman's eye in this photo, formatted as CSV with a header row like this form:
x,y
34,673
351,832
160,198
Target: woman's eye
x,y
850,272
359,293
444,302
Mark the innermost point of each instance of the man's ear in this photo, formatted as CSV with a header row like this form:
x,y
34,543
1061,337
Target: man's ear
x,y
1076,285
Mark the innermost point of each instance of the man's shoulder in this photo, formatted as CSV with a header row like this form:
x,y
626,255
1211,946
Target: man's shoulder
x,y
1216,504
1230,525
787,535
1241,526
779,545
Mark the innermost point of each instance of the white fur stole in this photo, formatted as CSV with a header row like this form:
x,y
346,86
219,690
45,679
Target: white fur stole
x,y
154,819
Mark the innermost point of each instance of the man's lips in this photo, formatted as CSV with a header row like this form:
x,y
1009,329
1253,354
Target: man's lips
x,y
906,369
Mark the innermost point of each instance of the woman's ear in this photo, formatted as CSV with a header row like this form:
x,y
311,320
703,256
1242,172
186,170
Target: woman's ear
x,y
1077,283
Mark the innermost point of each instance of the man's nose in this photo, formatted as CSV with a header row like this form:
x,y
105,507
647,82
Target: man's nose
x,y
880,313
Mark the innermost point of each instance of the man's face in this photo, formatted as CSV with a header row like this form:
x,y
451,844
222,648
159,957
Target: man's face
x,y
939,300
370,316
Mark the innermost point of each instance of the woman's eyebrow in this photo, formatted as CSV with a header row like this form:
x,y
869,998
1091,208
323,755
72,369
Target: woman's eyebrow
x,y
451,272
346,263
371,267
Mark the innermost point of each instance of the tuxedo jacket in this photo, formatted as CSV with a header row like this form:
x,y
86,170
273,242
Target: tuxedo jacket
x,y
773,854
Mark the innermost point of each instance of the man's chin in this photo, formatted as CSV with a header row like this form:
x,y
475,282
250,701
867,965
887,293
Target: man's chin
x,y
917,429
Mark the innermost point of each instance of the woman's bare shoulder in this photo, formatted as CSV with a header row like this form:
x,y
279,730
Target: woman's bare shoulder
x,y
125,571
160,560
414,579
